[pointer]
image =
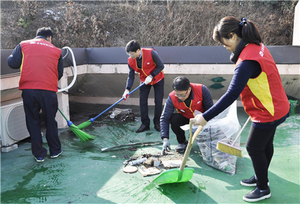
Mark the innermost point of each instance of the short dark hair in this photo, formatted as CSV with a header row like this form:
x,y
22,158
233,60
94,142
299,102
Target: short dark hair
x,y
45,32
244,29
132,46
181,83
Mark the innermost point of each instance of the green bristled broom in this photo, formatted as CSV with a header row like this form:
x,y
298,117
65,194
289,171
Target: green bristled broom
x,y
225,146
80,134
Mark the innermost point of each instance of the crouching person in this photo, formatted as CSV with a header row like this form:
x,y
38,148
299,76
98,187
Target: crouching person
x,y
189,99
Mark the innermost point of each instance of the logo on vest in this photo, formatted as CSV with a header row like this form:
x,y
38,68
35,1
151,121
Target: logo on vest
x,y
261,53
182,110
148,63
198,102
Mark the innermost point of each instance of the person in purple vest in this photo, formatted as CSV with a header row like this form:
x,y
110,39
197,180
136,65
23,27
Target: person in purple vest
x,y
149,65
188,100
41,66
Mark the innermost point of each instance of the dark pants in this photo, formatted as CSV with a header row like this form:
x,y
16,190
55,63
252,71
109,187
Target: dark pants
x,y
158,100
178,120
34,101
260,148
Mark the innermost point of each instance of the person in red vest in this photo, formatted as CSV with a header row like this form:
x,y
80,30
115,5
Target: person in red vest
x,y
41,66
256,79
150,67
188,99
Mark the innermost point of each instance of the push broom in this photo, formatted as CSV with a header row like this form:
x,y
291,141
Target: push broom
x,y
225,146
90,121
80,134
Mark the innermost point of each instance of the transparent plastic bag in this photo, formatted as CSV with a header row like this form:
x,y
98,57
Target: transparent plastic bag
x,y
225,125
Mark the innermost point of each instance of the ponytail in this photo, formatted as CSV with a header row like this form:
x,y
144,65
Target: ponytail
x,y
244,29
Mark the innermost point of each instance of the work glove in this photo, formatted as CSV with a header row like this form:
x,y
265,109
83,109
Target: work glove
x,y
125,94
200,120
148,79
166,146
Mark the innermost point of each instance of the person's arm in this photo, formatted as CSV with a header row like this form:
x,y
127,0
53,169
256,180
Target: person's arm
x,y
242,74
60,67
207,101
15,59
130,78
165,118
159,64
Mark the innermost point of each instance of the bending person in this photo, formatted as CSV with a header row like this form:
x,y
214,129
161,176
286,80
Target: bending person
x,y
188,99
256,79
150,67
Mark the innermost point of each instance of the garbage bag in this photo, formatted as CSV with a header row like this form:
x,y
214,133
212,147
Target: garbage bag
x,y
225,125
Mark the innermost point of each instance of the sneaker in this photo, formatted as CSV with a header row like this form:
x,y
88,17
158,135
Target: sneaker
x,y
251,182
57,155
39,159
181,147
257,195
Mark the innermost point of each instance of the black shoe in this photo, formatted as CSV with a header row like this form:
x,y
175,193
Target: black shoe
x,y
157,127
257,195
142,128
251,182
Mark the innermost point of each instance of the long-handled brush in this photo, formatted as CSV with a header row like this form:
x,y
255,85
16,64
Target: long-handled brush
x,y
90,121
80,134
225,146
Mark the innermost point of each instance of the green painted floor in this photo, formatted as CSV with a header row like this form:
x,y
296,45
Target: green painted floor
x,y
85,175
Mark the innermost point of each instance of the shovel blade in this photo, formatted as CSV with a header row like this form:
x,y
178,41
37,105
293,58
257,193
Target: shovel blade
x,y
174,176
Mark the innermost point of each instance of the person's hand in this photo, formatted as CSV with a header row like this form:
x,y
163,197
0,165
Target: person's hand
x,y
148,79
166,146
125,94
200,120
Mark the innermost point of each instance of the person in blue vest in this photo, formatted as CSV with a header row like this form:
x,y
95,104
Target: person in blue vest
x,y
149,65
41,66
256,79
188,99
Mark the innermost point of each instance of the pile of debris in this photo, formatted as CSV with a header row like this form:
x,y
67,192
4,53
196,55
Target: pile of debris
x,y
123,115
151,164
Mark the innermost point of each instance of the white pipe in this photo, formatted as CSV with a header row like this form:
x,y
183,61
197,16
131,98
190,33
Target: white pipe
x,y
75,71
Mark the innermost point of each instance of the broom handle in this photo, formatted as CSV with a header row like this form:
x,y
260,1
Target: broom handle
x,y
93,119
63,115
189,147
240,132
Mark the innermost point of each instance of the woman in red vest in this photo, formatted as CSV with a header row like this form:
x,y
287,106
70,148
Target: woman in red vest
x,y
256,79
150,67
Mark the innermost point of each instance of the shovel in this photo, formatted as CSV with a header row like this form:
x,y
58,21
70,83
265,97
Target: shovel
x,y
179,175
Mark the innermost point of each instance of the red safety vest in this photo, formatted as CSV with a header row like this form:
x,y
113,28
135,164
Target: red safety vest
x,y
39,65
148,66
196,102
264,98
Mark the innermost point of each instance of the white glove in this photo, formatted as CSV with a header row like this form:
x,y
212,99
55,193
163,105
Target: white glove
x,y
200,120
125,94
166,147
148,79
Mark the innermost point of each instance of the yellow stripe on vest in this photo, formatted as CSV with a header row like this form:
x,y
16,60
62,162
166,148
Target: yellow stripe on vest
x,y
261,90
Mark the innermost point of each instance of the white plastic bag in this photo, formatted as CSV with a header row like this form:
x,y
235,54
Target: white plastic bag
x,y
225,125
